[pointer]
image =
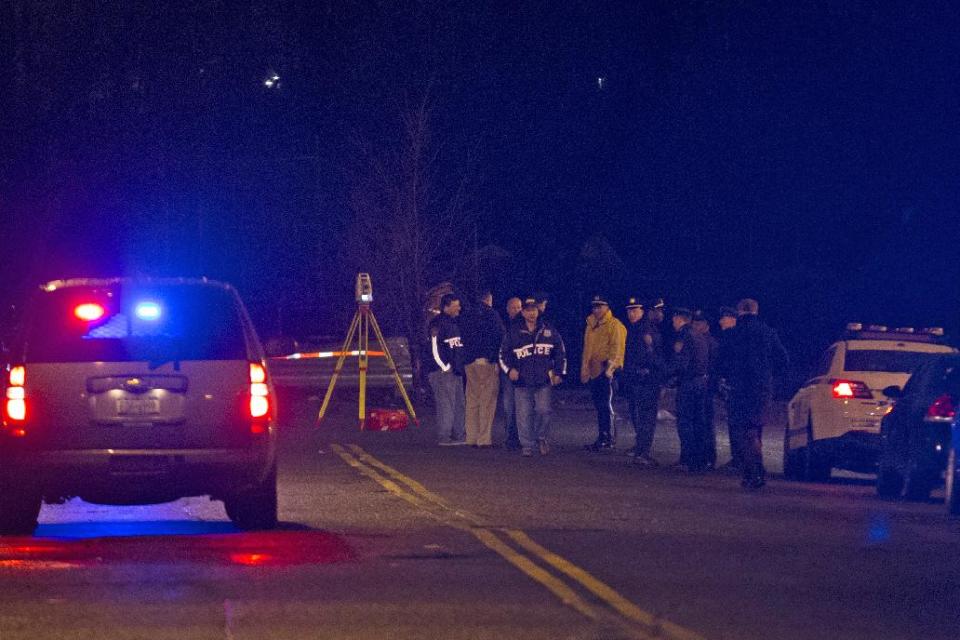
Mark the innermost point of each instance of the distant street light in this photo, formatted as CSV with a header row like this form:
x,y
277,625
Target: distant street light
x,y
272,81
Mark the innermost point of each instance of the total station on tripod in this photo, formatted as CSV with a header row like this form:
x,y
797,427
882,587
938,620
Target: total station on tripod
x,y
364,288
360,327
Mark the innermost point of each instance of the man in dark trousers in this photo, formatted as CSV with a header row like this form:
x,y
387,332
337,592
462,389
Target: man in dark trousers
x,y
642,376
751,354
700,325
446,378
507,399
727,321
604,341
691,365
533,358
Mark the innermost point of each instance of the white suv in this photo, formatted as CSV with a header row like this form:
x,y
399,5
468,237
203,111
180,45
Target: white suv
x,y
834,419
124,391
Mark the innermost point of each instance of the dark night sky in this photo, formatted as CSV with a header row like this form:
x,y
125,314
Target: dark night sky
x,y
806,155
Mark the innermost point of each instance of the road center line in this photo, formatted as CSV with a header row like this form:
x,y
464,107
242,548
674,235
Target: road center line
x,y
556,586
483,532
602,590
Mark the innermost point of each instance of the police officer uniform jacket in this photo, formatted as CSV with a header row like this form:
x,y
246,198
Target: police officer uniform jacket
x,y
643,354
533,353
691,355
446,345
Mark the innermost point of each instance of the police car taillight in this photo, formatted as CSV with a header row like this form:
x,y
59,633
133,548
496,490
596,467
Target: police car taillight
x,y
15,408
259,395
850,389
89,311
942,409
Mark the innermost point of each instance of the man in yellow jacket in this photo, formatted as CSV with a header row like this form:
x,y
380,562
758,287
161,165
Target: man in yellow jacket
x,y
603,344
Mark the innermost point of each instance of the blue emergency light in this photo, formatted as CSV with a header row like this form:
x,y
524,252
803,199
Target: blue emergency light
x,y
147,310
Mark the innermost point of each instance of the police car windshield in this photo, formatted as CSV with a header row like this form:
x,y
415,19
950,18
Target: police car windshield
x,y
124,323
884,361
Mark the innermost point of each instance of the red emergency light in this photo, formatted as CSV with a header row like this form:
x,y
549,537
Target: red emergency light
x,y
89,311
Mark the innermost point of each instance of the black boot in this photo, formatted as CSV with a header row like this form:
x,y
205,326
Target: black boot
x,y
600,444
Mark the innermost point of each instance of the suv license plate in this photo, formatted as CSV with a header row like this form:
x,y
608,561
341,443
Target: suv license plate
x,y
138,406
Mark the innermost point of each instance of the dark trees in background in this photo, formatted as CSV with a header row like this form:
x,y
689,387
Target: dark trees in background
x,y
410,204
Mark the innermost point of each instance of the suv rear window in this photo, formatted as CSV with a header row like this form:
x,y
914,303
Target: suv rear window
x,y
154,323
886,361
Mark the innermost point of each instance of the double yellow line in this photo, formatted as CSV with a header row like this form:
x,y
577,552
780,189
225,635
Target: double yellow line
x,y
613,608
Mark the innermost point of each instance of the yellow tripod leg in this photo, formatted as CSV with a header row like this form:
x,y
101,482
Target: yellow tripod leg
x,y
336,371
364,349
393,368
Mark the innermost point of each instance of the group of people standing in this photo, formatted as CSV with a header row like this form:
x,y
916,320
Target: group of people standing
x,y
739,366
522,359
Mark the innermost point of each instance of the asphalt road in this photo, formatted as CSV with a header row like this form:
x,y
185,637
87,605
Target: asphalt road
x,y
386,535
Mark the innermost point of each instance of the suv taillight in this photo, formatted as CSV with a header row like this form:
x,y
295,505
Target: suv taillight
x,y
259,396
15,408
849,389
941,410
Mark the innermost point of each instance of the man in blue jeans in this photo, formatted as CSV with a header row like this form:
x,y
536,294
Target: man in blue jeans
x,y
446,377
532,356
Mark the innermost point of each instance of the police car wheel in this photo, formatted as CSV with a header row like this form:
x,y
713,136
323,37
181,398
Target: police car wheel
x,y
889,482
256,507
19,508
919,485
816,461
793,461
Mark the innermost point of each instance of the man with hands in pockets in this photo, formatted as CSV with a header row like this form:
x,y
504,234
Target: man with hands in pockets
x,y
534,359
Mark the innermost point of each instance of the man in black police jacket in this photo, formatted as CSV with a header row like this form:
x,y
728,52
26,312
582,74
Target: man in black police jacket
x,y
750,355
446,377
642,376
691,365
532,356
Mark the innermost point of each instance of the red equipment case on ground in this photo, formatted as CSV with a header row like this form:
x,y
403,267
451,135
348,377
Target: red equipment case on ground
x,y
387,420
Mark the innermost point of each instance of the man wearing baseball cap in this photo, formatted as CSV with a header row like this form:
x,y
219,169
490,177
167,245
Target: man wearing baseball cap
x,y
533,357
691,365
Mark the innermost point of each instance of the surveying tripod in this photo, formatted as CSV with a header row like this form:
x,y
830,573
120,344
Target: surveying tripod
x,y
363,321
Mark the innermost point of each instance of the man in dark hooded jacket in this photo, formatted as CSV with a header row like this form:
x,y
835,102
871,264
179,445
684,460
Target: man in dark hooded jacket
x,y
751,355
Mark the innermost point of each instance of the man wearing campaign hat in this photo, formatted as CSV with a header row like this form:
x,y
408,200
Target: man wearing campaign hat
x,y
727,321
642,377
533,357
690,363
603,345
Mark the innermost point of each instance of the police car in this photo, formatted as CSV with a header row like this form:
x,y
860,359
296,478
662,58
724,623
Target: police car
x,y
834,419
125,391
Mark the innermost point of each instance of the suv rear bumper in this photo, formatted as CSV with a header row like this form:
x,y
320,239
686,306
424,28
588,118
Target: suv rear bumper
x,y
144,476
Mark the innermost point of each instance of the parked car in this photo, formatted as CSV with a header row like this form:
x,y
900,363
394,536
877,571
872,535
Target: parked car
x,y
122,391
308,364
952,474
834,419
915,434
